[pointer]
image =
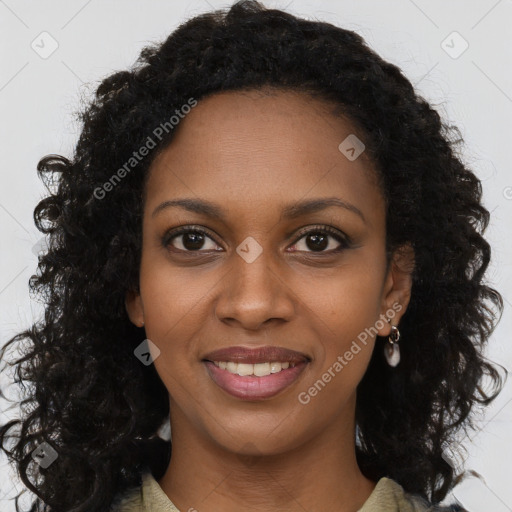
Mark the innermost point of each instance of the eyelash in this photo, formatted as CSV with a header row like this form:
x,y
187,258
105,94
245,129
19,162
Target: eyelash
x,y
345,241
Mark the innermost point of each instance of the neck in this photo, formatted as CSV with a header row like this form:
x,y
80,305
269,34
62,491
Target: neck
x,y
318,474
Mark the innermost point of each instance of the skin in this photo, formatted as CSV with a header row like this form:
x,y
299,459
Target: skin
x,y
251,154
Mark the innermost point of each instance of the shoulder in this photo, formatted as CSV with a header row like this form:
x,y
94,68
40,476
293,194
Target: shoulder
x,y
130,500
389,496
148,497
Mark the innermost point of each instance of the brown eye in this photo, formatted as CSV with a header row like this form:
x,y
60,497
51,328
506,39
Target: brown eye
x,y
319,239
189,240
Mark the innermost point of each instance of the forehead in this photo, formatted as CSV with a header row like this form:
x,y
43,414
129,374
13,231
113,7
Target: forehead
x,y
261,144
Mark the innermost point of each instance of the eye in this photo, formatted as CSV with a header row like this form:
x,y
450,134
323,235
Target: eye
x,y
189,239
193,239
316,239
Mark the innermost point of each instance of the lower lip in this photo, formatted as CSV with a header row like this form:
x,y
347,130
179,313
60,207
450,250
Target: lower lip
x,y
252,387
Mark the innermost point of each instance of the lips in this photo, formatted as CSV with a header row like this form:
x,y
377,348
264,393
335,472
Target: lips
x,y
241,384
264,354
251,387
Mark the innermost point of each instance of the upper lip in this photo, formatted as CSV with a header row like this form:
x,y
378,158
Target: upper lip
x,y
256,355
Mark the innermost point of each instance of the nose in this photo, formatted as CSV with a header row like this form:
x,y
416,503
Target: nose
x,y
253,294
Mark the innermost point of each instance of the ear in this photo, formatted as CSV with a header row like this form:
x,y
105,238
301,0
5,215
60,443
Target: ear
x,y
134,307
397,287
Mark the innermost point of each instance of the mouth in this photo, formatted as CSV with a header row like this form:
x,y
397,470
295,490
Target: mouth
x,y
255,374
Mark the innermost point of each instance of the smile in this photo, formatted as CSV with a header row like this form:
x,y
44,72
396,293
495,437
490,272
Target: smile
x,y
254,381
258,370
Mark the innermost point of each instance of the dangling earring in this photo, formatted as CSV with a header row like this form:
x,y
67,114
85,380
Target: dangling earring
x,y
391,349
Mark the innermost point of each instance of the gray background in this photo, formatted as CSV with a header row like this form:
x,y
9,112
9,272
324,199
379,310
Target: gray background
x,y
472,89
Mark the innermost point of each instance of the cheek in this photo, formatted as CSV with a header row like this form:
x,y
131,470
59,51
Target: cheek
x,y
173,297
342,309
175,311
345,301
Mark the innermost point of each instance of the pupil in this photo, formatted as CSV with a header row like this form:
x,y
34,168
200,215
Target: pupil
x,y
196,239
320,242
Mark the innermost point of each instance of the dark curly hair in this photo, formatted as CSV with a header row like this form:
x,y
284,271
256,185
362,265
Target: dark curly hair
x,y
85,393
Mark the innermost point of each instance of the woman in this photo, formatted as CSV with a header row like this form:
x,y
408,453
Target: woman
x,y
265,238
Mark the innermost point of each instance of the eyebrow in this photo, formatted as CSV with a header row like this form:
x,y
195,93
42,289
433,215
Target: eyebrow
x,y
290,211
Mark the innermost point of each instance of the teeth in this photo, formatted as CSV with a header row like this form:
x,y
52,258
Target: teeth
x,y
259,369
276,367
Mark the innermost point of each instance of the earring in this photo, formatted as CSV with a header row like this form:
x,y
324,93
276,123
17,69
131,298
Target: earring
x,y
142,323
391,349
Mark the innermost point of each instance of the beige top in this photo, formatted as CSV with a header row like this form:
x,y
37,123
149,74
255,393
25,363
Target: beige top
x,y
387,496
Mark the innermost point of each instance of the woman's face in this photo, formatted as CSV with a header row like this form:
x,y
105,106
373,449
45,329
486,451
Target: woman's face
x,y
248,165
